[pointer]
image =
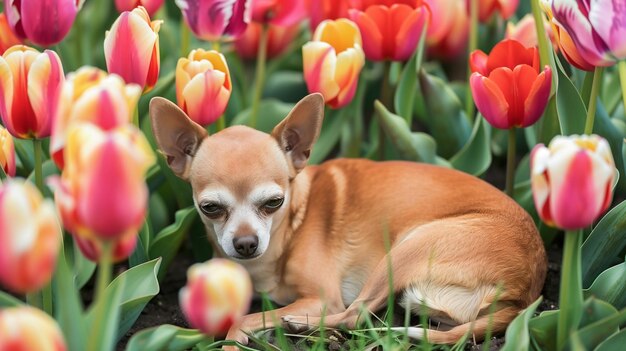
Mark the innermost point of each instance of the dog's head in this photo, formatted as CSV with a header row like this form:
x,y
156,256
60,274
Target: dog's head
x,y
240,176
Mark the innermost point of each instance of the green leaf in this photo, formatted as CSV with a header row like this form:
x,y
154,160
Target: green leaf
x,y
604,127
419,147
594,310
103,319
543,329
272,111
167,242
614,342
517,334
475,157
595,333
570,107
165,338
548,126
407,90
82,267
69,308
609,286
285,86
136,286
329,136
140,254
605,244
7,300
448,123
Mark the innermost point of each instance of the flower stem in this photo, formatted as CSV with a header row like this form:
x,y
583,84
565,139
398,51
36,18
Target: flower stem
x,y
593,98
38,164
510,163
185,38
104,269
542,40
621,66
221,123
259,81
473,44
136,117
570,295
215,45
46,294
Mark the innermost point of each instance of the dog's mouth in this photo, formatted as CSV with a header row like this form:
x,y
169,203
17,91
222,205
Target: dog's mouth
x,y
246,258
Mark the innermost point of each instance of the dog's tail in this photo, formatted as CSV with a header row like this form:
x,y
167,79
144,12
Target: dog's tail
x,y
497,322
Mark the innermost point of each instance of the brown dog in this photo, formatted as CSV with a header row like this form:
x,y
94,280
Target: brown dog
x,y
313,237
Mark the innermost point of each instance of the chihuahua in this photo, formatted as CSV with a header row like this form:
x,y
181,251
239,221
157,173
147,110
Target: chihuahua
x,y
328,239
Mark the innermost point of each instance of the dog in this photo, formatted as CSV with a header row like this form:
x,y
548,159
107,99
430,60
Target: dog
x,y
314,237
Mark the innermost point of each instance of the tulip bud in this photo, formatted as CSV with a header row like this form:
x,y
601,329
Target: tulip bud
x,y
30,237
151,6
203,85
572,180
30,85
217,295
507,85
333,61
102,194
278,12
44,22
7,153
122,248
214,19
91,95
391,31
131,48
278,39
7,37
29,329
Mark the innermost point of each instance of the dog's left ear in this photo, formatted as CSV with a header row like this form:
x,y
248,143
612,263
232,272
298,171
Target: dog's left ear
x,y
297,133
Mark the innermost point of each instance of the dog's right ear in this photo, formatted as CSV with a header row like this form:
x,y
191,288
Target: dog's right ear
x,y
178,136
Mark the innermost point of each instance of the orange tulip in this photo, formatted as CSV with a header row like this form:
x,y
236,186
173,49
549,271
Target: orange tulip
x,y
203,85
278,39
7,152
333,61
91,95
390,29
102,194
131,48
30,237
217,295
29,329
7,37
30,85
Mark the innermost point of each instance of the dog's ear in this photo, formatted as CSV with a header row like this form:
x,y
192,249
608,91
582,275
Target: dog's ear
x,y
297,133
178,136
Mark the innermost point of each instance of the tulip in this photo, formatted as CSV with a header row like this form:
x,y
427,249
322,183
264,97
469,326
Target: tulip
x,y
213,19
203,85
278,39
122,248
448,31
507,85
486,8
30,237
597,28
278,12
572,180
44,22
30,85
217,295
391,31
131,48
333,61
327,9
524,32
91,95
7,37
7,153
29,329
152,6
102,194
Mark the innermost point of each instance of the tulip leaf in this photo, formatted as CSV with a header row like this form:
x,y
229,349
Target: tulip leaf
x,y
83,268
570,107
407,90
614,342
271,112
543,329
167,242
594,333
103,318
285,86
140,254
604,127
330,134
609,286
605,245
517,334
594,310
135,287
475,157
548,125
418,147
446,119
7,300
165,338
69,308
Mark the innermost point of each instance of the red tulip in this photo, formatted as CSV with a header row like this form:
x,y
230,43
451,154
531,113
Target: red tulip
x,y
152,6
487,8
278,12
448,29
278,39
320,10
508,87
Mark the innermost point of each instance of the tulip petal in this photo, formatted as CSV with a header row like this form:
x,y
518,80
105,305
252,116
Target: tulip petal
x,y
408,23
510,53
349,65
319,65
45,79
47,22
373,37
608,19
478,62
490,101
537,97
201,89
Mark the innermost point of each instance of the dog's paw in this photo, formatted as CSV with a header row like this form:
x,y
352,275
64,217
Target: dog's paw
x,y
238,336
299,324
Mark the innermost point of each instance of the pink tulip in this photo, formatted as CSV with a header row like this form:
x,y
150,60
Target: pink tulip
x,y
217,295
7,153
91,95
278,12
214,19
131,48
29,329
102,194
30,237
572,180
524,32
152,6
7,37
44,22
122,248
278,40
320,10
448,29
30,85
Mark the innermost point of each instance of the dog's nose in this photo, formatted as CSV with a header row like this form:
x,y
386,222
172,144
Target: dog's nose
x,y
246,245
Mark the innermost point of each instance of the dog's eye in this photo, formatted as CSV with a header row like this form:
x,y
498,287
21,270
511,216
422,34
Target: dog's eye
x,y
212,210
272,205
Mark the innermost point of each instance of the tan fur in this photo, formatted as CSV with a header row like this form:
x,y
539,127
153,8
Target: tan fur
x,y
457,243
